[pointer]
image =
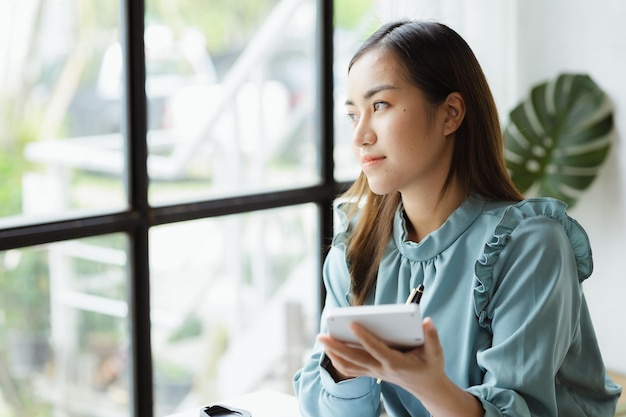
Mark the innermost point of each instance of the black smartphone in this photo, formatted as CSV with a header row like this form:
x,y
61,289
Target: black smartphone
x,y
223,411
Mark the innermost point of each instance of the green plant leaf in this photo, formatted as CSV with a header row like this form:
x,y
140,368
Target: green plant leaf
x,y
558,138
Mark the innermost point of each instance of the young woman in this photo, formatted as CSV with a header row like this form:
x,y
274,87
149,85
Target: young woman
x,y
434,205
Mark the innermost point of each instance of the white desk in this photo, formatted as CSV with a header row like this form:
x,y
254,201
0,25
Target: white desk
x,y
263,403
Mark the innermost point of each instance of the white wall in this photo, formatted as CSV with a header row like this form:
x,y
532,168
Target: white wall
x,y
522,42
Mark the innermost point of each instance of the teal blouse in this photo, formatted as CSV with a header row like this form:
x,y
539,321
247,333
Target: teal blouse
x,y
503,287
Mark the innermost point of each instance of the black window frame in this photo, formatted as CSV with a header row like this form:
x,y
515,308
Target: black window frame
x,y
140,216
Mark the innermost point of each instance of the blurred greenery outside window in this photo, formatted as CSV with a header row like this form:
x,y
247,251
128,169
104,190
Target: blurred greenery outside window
x,y
63,327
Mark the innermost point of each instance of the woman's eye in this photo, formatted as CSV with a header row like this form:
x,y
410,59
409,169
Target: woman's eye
x,y
352,117
379,105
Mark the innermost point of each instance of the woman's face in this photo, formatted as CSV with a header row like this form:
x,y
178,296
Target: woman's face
x,y
399,138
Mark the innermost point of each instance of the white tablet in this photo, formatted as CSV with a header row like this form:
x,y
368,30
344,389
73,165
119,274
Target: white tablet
x,y
399,325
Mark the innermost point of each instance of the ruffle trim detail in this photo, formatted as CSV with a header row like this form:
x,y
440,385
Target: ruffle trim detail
x,y
343,226
511,218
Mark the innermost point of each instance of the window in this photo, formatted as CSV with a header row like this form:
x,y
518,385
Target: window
x,y
168,174
155,223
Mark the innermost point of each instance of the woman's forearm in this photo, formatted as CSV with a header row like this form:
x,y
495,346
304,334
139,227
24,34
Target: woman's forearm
x,y
443,398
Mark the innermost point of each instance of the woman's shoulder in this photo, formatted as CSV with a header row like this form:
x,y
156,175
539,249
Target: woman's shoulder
x,y
529,207
537,225
542,218
539,221
516,211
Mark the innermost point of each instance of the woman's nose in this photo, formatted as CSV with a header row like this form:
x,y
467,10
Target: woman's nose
x,y
363,134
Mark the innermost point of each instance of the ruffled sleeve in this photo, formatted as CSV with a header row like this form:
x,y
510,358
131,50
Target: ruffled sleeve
x,y
512,217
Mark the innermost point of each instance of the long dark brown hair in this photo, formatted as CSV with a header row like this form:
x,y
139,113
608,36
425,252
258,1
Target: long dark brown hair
x,y
438,61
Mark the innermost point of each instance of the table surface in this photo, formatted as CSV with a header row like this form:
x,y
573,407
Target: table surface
x,y
264,403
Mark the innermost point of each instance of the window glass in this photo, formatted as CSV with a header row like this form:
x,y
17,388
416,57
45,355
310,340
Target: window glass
x,y
354,21
60,143
234,303
64,340
230,97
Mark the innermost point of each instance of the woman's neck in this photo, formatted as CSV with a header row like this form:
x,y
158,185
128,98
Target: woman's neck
x,y
427,212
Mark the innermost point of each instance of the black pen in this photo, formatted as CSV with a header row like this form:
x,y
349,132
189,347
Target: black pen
x,y
417,294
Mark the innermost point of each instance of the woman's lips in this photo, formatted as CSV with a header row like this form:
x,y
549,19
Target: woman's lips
x,y
371,160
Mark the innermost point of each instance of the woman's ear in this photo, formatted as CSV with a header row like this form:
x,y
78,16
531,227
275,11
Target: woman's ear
x,y
455,112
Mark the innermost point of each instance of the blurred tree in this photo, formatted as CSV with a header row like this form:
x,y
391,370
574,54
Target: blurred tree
x,y
224,23
349,14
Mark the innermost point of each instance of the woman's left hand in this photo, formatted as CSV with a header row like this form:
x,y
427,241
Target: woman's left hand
x,y
409,369
419,371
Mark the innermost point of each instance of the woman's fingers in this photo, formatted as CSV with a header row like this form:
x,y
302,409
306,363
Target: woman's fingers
x,y
377,359
375,347
432,344
348,360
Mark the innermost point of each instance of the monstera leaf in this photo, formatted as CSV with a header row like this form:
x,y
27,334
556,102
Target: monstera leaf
x,y
557,139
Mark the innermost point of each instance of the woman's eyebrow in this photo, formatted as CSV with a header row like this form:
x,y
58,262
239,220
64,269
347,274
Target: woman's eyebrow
x,y
372,91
